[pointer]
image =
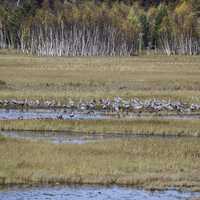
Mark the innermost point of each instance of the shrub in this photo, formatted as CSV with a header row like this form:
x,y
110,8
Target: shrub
x,y
2,83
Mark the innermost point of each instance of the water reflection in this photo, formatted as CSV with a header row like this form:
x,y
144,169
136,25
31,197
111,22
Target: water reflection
x,y
78,138
49,114
84,115
92,192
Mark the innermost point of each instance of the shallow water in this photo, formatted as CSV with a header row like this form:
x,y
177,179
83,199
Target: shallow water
x,y
81,115
48,114
91,193
75,138
57,137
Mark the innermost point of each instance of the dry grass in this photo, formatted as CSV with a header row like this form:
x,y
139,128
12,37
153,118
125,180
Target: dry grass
x,y
149,163
175,77
149,127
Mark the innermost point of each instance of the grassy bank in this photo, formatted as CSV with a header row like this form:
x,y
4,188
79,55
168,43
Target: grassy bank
x,y
162,77
151,127
148,163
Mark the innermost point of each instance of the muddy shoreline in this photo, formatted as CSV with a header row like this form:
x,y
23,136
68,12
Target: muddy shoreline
x,y
110,182
70,137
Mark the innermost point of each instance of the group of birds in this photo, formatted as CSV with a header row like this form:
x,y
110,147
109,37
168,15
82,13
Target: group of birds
x,y
107,105
61,117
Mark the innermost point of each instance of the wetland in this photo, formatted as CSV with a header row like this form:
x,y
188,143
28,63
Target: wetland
x,y
100,123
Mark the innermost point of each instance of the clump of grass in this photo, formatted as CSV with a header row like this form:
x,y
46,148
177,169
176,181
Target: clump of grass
x,y
2,83
75,84
2,138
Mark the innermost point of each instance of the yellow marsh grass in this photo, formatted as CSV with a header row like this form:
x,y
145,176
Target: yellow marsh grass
x,y
149,163
176,77
152,127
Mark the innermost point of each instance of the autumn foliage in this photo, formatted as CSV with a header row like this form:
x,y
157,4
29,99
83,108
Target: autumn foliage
x,y
87,28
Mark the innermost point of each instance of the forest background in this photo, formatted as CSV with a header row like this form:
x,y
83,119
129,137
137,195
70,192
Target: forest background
x,y
100,27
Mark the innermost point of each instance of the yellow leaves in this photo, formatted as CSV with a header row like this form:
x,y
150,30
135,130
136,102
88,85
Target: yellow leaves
x,y
119,10
75,14
84,13
165,25
44,17
87,12
189,21
183,9
134,21
152,12
184,17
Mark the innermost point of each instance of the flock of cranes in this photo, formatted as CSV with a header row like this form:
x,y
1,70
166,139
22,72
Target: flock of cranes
x,y
107,105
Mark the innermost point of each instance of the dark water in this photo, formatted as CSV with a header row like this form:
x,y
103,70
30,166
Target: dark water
x,y
92,193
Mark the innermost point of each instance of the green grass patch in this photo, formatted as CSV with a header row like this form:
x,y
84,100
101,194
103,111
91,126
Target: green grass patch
x,y
2,138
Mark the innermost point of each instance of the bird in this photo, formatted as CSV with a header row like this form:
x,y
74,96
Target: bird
x,y
71,115
60,117
20,117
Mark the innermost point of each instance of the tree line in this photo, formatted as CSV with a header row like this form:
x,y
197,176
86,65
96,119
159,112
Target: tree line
x,y
100,27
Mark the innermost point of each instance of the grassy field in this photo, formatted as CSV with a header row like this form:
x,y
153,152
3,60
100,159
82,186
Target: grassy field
x,y
176,77
148,127
147,163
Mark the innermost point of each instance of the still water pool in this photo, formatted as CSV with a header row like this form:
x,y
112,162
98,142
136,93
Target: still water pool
x,y
92,192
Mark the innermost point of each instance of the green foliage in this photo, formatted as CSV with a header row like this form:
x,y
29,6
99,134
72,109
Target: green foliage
x,y
145,28
160,15
2,138
133,18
